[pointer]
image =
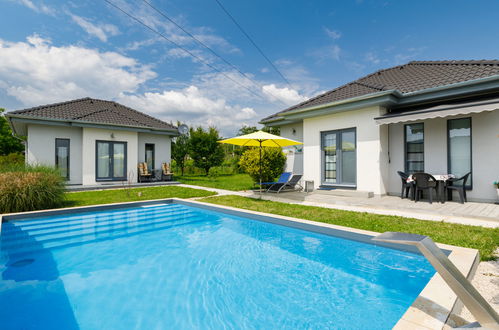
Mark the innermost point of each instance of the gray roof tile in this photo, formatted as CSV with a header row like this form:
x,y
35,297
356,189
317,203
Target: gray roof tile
x,y
95,111
410,77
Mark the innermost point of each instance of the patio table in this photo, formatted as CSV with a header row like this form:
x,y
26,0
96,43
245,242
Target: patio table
x,y
441,180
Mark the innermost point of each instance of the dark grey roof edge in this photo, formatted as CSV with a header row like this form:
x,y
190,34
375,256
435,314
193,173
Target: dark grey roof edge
x,y
275,116
20,112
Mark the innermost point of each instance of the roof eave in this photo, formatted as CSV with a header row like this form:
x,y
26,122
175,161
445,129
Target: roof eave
x,y
81,123
395,97
379,98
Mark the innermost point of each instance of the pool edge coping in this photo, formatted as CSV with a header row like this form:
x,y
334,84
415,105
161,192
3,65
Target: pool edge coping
x,y
431,309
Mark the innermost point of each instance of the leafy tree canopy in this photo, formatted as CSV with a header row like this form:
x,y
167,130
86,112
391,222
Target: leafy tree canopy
x,y
180,150
8,143
204,149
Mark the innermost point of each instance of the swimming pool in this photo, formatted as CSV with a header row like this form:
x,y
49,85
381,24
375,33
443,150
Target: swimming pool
x,y
175,265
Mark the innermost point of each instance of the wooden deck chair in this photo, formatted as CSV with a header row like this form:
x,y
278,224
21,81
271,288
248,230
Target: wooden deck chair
x,y
166,173
143,174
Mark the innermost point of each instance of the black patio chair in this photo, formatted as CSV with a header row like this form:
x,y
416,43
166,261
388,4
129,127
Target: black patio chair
x,y
287,186
424,181
458,185
406,186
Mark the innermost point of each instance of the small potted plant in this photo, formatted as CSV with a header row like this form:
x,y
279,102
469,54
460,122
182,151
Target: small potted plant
x,y
496,185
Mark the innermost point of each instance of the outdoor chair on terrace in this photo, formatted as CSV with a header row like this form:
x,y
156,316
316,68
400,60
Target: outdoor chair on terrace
x,y
282,179
407,187
291,185
424,181
144,174
166,173
458,185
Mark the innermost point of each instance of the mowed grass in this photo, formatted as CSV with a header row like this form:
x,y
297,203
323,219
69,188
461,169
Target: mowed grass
x,y
84,198
233,182
486,240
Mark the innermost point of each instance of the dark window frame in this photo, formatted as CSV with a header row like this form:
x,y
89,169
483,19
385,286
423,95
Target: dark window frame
x,y
69,158
406,167
111,163
153,154
338,168
468,186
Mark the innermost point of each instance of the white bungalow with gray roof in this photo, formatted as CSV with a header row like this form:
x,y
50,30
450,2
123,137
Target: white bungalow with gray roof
x,y
439,117
93,141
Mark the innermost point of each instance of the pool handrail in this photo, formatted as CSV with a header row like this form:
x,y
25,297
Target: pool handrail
x,y
465,291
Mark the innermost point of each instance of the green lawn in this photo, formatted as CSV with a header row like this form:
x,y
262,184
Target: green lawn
x,y
84,198
484,239
234,182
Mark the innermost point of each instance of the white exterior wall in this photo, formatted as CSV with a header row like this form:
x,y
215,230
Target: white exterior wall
x,y
162,148
41,148
485,152
371,146
91,135
294,162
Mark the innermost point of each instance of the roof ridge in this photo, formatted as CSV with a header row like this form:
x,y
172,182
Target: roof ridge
x,y
142,113
455,62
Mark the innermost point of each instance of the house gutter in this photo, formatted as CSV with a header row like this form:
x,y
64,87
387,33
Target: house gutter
x,y
387,98
81,123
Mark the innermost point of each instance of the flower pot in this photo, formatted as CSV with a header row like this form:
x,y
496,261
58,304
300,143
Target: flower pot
x,y
497,191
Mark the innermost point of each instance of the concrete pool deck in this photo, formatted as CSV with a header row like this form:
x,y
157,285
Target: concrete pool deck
x,y
474,214
431,310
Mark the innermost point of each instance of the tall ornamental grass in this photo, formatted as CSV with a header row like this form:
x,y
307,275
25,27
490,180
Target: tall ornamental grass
x,y
30,188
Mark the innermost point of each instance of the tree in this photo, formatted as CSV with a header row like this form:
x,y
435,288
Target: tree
x,y
273,161
180,150
8,143
204,149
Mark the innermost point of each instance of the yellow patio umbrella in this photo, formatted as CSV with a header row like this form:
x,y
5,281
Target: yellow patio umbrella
x,y
260,139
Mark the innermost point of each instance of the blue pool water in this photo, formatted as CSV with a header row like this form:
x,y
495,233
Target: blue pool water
x,y
173,266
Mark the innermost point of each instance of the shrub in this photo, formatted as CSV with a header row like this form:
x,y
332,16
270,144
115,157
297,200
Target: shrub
x,y
31,188
273,161
10,161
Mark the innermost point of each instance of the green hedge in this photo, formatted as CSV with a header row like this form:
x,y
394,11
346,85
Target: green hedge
x,y
30,188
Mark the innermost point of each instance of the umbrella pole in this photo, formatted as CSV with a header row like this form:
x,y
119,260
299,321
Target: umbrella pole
x,y
260,169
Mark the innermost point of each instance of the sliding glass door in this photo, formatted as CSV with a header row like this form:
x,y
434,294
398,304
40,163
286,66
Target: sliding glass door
x,y
339,154
111,160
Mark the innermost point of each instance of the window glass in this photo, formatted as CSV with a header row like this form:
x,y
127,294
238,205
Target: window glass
x,y
62,156
103,159
459,148
414,148
150,156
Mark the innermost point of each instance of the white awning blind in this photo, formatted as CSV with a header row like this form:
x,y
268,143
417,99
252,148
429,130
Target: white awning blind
x,y
440,111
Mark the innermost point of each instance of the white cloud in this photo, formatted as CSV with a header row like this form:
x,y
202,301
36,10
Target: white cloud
x,y
372,58
287,95
100,31
36,72
39,8
193,106
333,34
332,52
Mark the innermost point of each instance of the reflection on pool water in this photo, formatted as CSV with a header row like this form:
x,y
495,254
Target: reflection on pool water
x,y
183,267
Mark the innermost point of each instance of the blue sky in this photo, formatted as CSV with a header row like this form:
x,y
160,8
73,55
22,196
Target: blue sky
x,y
53,51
